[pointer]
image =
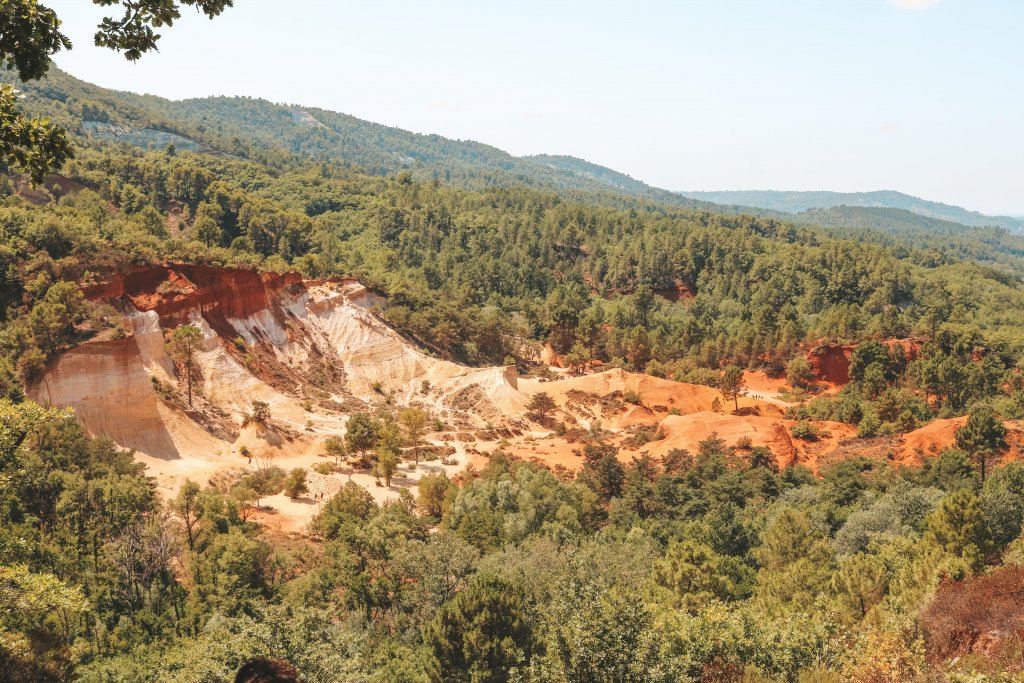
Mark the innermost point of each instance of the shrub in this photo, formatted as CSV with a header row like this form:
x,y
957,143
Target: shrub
x,y
295,485
260,413
433,489
266,482
806,431
799,374
869,426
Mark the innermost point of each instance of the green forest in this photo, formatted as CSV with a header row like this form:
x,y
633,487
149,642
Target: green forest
x,y
712,565
708,566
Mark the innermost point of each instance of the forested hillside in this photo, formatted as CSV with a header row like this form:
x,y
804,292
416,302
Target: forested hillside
x,y
710,565
285,135
897,228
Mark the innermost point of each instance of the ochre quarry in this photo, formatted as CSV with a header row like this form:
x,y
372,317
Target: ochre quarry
x,y
316,351
313,350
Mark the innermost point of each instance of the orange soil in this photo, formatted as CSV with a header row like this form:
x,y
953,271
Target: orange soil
x,y
681,291
811,453
687,431
549,451
937,435
549,356
758,381
831,363
928,440
657,396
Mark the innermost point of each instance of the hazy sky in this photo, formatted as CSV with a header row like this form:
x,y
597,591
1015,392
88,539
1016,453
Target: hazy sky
x,y
922,96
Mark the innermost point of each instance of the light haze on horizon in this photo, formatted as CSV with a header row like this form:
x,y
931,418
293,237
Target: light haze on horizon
x,y
920,96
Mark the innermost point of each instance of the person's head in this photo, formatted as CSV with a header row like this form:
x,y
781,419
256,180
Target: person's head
x,y
266,670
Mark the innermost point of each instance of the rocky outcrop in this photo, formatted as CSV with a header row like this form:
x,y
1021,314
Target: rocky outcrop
x,y
831,363
911,347
680,292
177,291
688,431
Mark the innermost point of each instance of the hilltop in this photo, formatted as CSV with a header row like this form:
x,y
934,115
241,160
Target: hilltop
x,y
285,134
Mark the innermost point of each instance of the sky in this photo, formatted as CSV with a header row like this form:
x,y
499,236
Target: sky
x,y
920,96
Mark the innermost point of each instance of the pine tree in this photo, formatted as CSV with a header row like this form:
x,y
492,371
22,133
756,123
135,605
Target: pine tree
x,y
185,341
480,635
959,528
982,436
414,420
731,384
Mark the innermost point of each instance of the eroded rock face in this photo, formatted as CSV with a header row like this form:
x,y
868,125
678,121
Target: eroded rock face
x,y
831,363
681,292
313,350
911,347
96,379
176,291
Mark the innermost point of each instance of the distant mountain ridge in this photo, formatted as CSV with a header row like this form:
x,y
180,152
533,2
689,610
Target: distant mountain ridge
x,y
281,135
796,202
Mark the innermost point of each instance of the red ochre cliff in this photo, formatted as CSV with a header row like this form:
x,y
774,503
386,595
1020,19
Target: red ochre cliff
x,y
176,291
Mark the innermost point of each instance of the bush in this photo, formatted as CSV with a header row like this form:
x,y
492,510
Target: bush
x,y
323,468
433,489
799,374
806,431
266,482
260,414
869,426
295,484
